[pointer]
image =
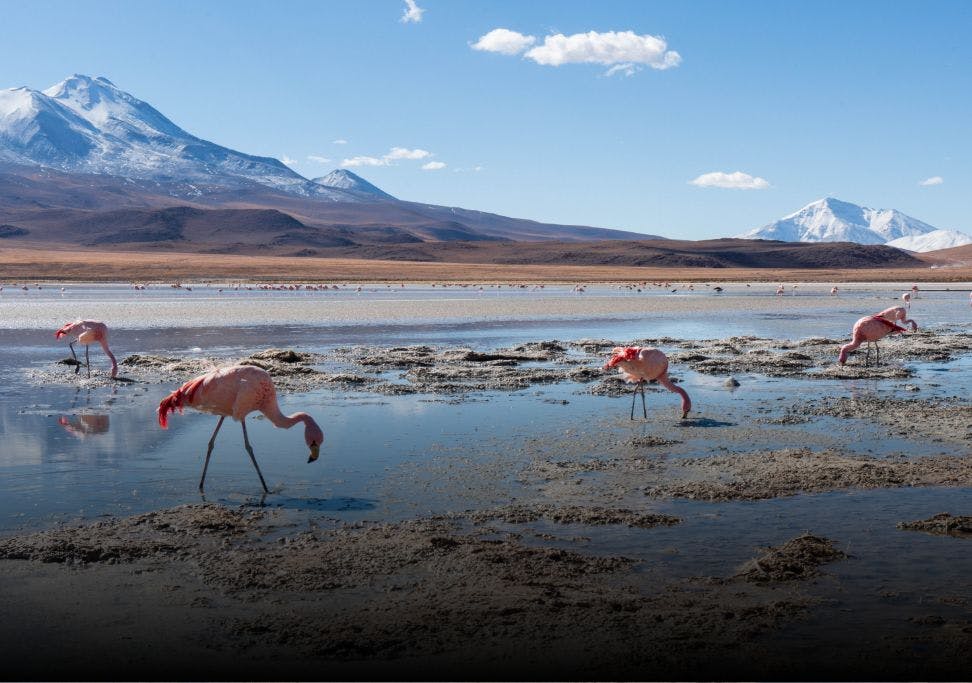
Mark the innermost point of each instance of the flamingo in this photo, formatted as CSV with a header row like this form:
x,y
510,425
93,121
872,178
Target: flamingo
x,y
834,291
88,332
639,365
906,297
236,392
872,328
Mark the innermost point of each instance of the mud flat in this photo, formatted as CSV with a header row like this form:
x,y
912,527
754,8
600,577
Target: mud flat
x,y
388,599
541,557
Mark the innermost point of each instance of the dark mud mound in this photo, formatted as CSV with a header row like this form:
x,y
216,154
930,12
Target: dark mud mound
x,y
796,560
166,533
942,524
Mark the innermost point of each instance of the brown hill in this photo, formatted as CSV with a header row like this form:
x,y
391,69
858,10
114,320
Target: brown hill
x,y
721,253
48,203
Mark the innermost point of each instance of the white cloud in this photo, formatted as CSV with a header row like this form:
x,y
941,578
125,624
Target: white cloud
x,y
287,160
364,161
394,154
404,153
625,52
504,41
318,159
339,141
934,180
433,166
413,13
732,181
609,48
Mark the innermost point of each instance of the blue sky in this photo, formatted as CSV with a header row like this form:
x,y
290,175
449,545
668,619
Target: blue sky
x,y
859,100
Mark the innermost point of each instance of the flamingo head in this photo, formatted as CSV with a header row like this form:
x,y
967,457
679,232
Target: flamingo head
x,y
621,354
314,436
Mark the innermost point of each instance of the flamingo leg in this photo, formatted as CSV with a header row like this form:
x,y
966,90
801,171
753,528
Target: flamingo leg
x,y
877,351
87,359
867,357
209,451
249,449
634,397
77,367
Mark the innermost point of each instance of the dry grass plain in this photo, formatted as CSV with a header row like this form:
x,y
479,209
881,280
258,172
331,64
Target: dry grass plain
x,y
25,264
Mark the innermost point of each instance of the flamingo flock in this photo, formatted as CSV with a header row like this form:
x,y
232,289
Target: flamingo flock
x,y
239,390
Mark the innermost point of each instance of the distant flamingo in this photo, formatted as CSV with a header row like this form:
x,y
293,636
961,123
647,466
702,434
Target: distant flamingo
x,y
906,297
781,290
834,291
873,328
236,392
641,365
88,332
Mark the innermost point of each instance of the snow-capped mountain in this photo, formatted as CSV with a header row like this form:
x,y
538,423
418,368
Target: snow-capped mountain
x,y
832,220
88,125
346,180
932,241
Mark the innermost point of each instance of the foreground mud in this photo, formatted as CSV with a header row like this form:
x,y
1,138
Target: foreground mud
x,y
432,588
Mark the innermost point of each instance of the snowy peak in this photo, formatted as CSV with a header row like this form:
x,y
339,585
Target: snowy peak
x,y
932,241
105,106
342,179
833,220
89,125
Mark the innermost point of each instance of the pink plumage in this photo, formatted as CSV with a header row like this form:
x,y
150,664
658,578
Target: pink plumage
x,y
638,365
872,328
236,392
88,332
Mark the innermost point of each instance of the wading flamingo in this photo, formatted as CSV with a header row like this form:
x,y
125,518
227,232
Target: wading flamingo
x,y
236,392
872,328
641,365
906,297
834,291
88,332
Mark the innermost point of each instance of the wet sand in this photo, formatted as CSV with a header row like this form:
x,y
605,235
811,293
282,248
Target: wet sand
x,y
532,588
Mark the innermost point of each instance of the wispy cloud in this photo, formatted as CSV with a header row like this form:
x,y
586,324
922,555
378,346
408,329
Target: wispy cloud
x,y
364,161
732,181
394,154
339,141
413,13
623,51
934,180
626,69
504,42
433,166
405,153
318,159
287,160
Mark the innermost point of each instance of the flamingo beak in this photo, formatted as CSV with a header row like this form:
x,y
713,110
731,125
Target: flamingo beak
x,y
315,452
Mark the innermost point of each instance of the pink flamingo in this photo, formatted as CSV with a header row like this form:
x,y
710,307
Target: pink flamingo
x,y
88,332
640,365
872,328
906,297
236,392
833,291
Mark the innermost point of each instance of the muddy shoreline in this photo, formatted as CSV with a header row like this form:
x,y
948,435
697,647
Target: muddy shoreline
x,y
526,589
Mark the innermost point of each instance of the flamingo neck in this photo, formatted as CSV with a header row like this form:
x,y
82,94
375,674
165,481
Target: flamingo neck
x,y
284,421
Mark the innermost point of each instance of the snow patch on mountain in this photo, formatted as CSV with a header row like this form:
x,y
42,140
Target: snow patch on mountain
x,y
833,220
88,125
932,241
343,179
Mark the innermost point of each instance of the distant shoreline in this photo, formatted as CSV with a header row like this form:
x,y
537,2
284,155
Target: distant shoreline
x,y
46,265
